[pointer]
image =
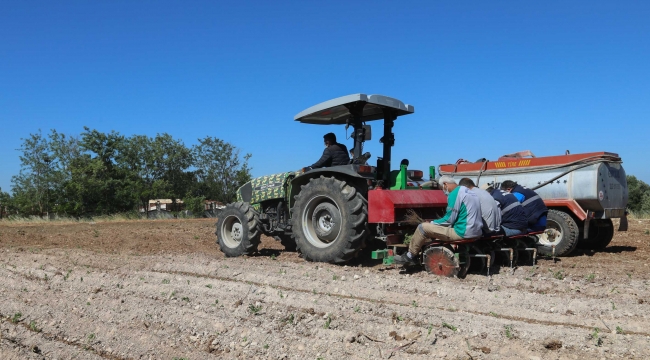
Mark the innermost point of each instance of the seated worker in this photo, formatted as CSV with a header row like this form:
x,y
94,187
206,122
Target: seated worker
x,y
461,221
334,154
489,207
513,216
395,176
534,206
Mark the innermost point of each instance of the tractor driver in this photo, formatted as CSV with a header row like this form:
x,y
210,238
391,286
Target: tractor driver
x,y
461,221
333,155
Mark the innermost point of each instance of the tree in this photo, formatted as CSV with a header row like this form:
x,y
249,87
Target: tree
x,y
5,203
66,152
156,167
220,170
102,185
103,173
638,195
32,184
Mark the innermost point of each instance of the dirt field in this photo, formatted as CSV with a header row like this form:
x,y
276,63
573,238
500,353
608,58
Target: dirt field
x,y
162,290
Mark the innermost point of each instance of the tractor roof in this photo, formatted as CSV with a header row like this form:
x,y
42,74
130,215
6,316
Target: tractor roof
x,y
336,111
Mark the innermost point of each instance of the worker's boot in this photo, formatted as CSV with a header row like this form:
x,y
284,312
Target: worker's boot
x,y
404,260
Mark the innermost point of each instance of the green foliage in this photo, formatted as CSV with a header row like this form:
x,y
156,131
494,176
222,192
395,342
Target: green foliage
x,y
449,326
195,204
407,239
557,274
327,323
33,327
6,204
509,332
638,195
100,173
220,169
16,318
254,309
595,336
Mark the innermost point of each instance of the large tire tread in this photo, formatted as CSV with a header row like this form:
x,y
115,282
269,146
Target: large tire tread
x,y
570,234
252,233
354,213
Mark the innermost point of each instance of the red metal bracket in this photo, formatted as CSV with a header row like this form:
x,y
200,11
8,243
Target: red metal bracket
x,y
569,203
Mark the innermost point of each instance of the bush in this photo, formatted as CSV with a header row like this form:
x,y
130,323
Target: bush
x,y
638,195
195,204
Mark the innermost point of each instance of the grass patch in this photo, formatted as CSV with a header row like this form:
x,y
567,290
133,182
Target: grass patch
x,y
509,332
557,274
595,335
254,309
33,327
288,320
16,318
327,322
449,326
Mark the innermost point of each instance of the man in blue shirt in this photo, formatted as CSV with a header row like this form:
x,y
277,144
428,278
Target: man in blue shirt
x,y
534,206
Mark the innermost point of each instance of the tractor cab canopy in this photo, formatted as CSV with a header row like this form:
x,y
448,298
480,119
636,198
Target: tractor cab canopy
x,y
340,111
354,110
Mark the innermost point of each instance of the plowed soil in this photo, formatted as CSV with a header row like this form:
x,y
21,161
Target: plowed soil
x,y
163,290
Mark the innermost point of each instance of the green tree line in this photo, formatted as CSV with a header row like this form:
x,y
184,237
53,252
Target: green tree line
x,y
106,173
638,195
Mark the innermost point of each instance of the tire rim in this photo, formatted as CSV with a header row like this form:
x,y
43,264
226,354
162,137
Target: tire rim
x,y
232,231
552,235
321,224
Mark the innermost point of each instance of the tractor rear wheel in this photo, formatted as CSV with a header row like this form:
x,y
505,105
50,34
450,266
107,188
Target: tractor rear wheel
x,y
238,230
561,231
329,220
601,233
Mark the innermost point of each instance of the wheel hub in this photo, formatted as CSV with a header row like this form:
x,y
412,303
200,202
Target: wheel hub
x,y
236,232
232,231
441,261
321,221
551,235
325,222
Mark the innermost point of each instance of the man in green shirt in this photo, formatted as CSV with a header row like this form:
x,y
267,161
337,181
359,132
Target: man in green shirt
x,y
461,221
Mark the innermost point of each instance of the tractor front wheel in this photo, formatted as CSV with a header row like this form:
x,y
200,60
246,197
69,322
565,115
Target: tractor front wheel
x,y
329,220
238,230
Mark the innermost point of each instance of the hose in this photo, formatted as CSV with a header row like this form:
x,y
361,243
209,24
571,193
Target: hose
x,y
588,161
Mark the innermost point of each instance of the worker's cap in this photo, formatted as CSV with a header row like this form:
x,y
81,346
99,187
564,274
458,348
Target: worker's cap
x,y
485,186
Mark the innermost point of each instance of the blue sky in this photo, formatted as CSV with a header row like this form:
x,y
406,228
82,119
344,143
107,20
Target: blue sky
x,y
485,77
